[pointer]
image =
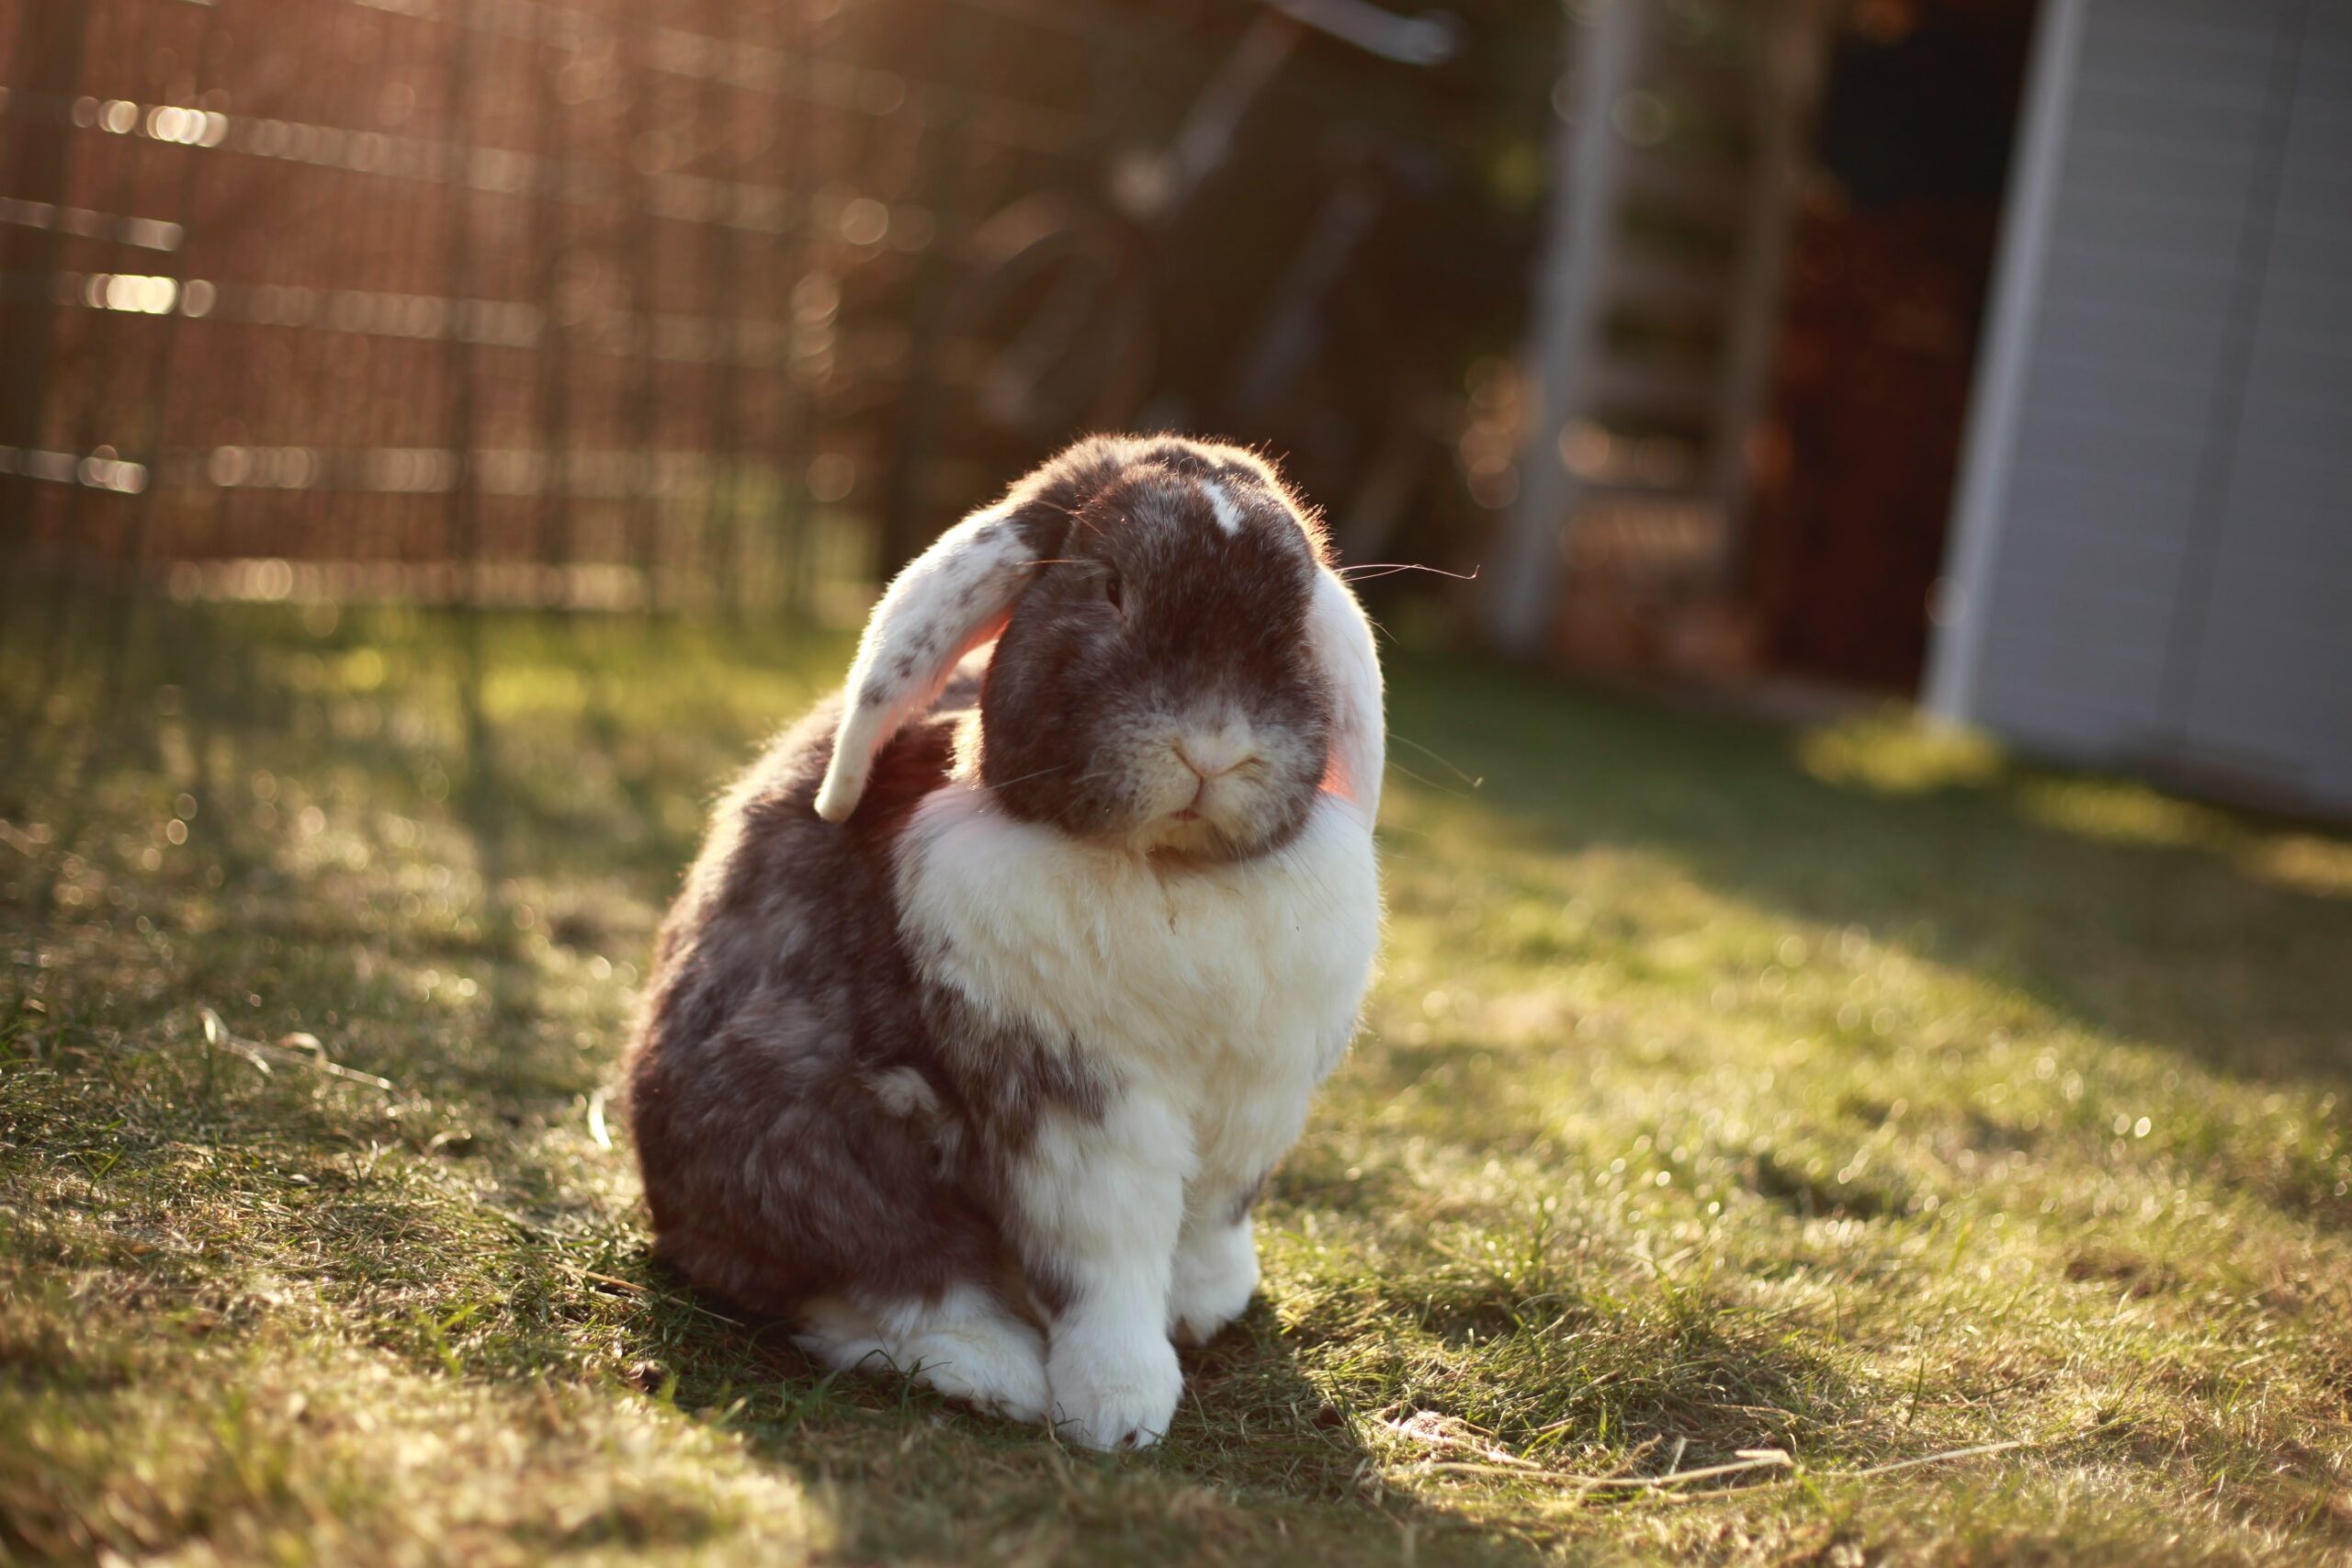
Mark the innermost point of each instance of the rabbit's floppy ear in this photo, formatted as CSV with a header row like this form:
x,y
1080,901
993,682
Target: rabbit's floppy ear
x,y
951,599
1338,637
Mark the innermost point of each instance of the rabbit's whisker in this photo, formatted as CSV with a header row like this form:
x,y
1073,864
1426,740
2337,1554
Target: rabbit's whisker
x,y
1367,571
1440,757
1024,778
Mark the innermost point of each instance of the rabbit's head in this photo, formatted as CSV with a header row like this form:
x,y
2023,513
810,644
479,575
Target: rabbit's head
x,y
1155,684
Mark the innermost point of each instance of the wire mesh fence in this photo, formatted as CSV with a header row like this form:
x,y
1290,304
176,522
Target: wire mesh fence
x,y
644,303
482,298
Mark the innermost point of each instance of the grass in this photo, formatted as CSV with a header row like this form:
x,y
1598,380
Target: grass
x,y
1851,1093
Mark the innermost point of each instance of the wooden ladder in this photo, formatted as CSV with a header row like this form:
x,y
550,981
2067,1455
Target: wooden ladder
x,y
1680,143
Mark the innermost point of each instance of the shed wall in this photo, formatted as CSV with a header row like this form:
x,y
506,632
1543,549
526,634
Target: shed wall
x,y
2153,562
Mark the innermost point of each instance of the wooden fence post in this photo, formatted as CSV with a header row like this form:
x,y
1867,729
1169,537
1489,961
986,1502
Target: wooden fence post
x,y
37,167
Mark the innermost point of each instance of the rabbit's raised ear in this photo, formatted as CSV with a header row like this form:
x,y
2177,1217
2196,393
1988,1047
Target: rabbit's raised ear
x,y
951,599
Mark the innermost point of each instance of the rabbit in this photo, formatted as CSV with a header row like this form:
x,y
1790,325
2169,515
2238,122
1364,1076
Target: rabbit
x,y
1006,975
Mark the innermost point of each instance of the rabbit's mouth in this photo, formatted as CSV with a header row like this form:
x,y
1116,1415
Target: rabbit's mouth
x,y
1222,819
1197,841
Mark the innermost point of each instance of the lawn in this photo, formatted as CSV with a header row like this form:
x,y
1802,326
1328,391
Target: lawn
x,y
1750,1122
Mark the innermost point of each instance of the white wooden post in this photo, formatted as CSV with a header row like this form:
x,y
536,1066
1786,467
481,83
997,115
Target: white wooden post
x,y
1522,582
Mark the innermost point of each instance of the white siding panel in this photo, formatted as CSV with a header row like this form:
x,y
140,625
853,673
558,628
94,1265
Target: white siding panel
x,y
2162,571
2285,484
2093,595
2269,683
2108,334
2104,498
2077,721
2162,145
2162,408
2081,437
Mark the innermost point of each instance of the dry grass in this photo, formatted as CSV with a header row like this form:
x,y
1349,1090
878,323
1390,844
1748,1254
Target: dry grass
x,y
1852,1095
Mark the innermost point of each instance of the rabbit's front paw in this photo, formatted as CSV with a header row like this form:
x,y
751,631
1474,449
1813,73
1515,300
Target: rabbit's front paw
x,y
1113,1390
997,1367
1216,1272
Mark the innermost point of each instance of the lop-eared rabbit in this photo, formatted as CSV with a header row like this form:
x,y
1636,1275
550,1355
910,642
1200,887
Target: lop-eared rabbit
x,y
1006,975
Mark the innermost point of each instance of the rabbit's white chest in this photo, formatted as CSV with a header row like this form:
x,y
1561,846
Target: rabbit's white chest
x,y
1227,990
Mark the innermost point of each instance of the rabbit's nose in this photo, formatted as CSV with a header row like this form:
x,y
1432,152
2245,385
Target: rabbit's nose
x,y
1213,756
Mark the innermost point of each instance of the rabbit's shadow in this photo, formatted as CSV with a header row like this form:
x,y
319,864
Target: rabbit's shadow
x,y
1261,1461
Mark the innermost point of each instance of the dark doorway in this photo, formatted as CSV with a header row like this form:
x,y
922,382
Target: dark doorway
x,y
1896,237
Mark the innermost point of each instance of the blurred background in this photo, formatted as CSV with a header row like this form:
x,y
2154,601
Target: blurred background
x,y
1981,352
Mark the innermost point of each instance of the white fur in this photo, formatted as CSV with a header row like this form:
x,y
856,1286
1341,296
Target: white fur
x,y
1228,516
1108,1196
1212,998
1216,1274
969,1346
950,599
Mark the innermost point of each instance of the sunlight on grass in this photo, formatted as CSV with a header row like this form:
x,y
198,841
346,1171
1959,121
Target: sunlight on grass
x,y
1894,753
2121,812
2304,862
1858,1098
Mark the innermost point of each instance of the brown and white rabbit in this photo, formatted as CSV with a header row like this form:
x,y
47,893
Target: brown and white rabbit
x,y
1003,981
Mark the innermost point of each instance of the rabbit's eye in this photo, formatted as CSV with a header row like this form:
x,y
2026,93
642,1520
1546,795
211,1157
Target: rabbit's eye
x,y
1113,595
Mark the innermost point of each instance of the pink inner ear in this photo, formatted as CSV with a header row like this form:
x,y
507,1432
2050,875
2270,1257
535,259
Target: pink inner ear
x,y
1336,780
978,637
